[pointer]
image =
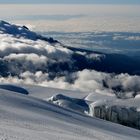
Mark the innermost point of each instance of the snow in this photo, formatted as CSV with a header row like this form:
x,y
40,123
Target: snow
x,y
45,94
17,31
26,117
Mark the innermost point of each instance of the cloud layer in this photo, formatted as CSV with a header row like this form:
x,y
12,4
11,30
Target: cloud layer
x,y
102,17
122,85
37,61
107,42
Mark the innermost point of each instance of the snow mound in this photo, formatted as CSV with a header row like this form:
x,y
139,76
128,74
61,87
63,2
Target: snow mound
x,y
75,104
14,88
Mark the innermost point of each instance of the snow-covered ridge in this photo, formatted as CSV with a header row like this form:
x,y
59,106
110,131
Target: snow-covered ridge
x,y
22,31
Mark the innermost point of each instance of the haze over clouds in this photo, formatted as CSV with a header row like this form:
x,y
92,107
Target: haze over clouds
x,y
74,1
74,18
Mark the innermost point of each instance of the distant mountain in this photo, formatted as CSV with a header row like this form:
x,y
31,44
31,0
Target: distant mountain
x,y
22,31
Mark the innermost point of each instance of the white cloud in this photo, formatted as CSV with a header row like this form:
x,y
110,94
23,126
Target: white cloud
x,y
127,38
95,56
87,80
10,44
31,58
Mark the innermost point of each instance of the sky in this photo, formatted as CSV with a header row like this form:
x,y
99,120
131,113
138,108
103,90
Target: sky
x,y
74,1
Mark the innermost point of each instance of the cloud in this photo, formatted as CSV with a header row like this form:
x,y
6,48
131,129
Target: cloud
x,y
82,24
56,17
28,59
19,54
127,37
125,82
89,80
86,80
10,45
107,42
95,56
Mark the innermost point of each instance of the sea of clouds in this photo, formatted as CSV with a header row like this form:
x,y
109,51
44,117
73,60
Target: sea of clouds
x,y
107,42
35,61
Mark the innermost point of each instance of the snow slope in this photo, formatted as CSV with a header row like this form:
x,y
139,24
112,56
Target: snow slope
x,y
99,104
23,117
104,106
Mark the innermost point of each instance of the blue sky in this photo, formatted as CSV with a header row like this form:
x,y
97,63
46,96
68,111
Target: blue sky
x,y
74,1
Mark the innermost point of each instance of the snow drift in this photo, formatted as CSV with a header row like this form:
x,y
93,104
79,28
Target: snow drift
x,y
14,88
75,104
